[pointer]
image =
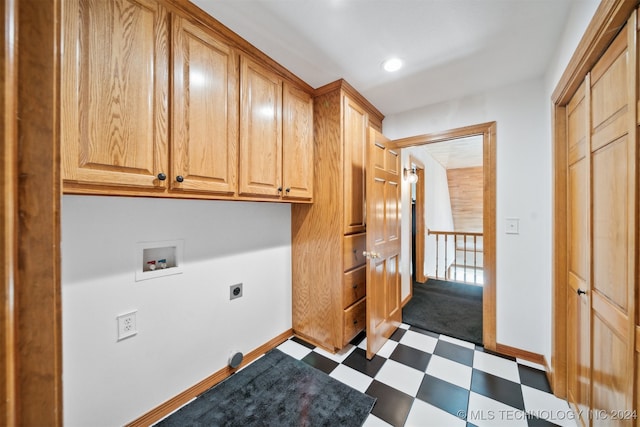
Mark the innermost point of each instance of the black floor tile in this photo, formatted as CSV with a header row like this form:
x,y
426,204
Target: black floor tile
x,y
318,361
534,378
391,405
497,388
444,395
358,361
358,338
454,352
538,422
493,353
398,334
303,342
411,357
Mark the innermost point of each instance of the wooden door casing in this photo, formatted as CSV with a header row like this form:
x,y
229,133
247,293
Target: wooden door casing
x,y
205,115
384,308
115,93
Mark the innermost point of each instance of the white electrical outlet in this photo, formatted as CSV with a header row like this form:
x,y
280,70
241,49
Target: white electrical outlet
x,y
127,325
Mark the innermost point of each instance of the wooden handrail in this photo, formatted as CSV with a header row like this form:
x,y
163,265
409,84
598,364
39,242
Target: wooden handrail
x,y
456,233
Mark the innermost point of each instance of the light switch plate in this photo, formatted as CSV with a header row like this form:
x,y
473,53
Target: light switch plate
x,y
513,226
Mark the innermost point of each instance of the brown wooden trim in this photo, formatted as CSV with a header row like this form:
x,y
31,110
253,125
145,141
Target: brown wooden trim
x,y
353,94
560,262
521,354
488,132
447,135
38,341
181,399
8,204
608,19
420,224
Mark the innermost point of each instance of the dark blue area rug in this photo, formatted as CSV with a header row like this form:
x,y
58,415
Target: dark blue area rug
x,y
276,390
449,308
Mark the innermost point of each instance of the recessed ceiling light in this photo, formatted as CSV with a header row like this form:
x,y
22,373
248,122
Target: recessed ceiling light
x,y
391,65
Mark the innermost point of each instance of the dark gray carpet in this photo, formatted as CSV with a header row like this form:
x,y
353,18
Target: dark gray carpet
x,y
448,308
276,390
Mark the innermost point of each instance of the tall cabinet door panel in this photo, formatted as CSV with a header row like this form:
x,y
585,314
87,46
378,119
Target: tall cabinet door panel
x,y
115,92
297,143
355,131
205,113
613,181
260,130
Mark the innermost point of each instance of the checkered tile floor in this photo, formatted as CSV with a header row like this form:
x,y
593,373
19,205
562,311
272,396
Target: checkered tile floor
x,y
424,379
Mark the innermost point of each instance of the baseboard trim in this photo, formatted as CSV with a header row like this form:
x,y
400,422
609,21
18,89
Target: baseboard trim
x,y
525,355
181,399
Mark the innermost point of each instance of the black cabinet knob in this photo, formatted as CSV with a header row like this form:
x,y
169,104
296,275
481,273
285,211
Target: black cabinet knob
x,y
288,190
279,189
581,292
179,178
162,176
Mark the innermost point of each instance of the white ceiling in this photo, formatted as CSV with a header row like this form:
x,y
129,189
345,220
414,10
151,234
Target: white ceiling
x,y
457,153
451,48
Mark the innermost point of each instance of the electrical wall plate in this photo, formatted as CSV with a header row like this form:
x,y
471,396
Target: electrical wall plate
x,y
127,325
157,259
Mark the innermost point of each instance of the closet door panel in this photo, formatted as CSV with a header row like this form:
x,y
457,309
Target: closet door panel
x,y
613,228
578,292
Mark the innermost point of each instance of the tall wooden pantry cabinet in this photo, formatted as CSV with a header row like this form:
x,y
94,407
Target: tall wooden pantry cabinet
x,y
329,237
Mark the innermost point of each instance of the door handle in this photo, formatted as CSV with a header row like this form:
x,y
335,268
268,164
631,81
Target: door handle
x,y
371,255
581,292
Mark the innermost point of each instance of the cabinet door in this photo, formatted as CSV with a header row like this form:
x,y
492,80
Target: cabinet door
x,y
297,144
205,113
260,131
354,143
115,93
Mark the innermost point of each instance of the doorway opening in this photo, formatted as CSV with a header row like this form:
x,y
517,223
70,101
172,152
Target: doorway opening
x,y
471,255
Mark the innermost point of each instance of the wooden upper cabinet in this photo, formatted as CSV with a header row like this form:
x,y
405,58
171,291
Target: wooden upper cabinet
x,y
260,130
297,144
205,114
355,138
114,93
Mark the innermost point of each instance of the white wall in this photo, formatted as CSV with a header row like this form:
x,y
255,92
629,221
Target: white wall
x,y
523,191
187,326
524,177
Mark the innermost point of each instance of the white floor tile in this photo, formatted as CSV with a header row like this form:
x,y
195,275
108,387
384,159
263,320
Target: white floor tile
x,y
401,377
496,366
450,371
387,349
351,377
422,414
373,421
485,412
458,342
419,341
547,407
404,326
294,349
339,356
363,344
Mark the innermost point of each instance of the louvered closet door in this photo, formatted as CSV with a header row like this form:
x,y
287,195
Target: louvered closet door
x,y
613,195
